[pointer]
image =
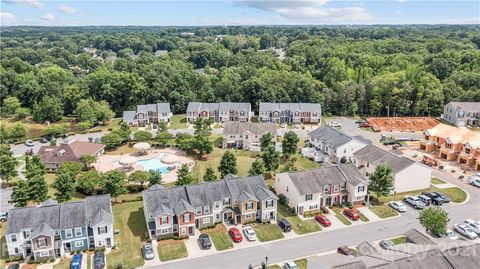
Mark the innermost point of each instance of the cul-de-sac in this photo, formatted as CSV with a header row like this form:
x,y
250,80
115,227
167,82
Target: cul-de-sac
x,y
239,134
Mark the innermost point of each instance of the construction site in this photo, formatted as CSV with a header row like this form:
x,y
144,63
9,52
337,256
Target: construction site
x,y
402,124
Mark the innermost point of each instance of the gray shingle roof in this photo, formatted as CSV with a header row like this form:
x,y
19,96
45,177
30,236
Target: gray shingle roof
x,y
468,106
463,256
102,216
182,206
97,203
245,196
43,229
73,215
331,136
163,107
220,107
227,106
128,116
258,128
303,107
416,237
377,156
264,194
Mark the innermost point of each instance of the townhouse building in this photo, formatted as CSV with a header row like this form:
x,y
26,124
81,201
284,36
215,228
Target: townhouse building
x,y
219,112
181,210
247,135
462,114
51,230
325,186
408,174
329,144
148,114
290,112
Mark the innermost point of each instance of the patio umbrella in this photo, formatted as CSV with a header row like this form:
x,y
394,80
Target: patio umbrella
x,y
127,161
169,159
142,146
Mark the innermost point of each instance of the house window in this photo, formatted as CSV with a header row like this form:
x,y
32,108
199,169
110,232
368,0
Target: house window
x,y
26,234
217,204
368,164
308,197
269,203
186,218
287,188
335,188
44,254
13,238
15,251
78,231
235,202
206,209
361,188
206,220
198,211
164,220
326,189
313,207
164,231
226,201
102,230
68,233
217,216
42,243
79,244
249,206
247,216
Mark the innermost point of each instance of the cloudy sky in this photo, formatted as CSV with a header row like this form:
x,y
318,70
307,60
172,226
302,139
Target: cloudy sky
x,y
236,12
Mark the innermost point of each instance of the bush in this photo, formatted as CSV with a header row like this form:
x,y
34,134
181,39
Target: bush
x,y
282,199
292,210
312,213
347,204
324,209
83,126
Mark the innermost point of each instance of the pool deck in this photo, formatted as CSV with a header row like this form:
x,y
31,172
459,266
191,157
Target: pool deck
x,y
107,163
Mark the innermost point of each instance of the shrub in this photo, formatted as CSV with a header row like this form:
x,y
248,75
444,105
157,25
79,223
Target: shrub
x,y
83,126
282,199
324,209
312,213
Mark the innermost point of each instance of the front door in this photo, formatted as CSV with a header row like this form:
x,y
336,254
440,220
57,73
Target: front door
x,y
328,202
191,230
67,247
300,210
28,251
239,219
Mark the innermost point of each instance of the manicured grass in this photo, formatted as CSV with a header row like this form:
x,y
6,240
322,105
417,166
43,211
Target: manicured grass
x,y
383,211
3,243
399,240
89,261
301,263
341,217
63,264
123,149
303,226
363,217
437,181
397,197
219,237
129,219
303,163
455,194
267,232
171,250
283,212
178,122
275,266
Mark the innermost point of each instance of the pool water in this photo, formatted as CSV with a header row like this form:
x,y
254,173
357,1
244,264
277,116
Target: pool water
x,y
154,164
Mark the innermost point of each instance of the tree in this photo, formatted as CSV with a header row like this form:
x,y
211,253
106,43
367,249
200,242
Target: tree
x,y
434,220
21,113
270,158
228,164
209,174
18,130
38,188
266,140
8,167
112,140
86,111
139,176
83,126
10,106
257,168
20,194
184,176
202,144
381,181
289,143
87,161
34,166
104,112
89,181
163,137
115,183
65,185
48,109
185,141
55,130
142,136
154,178
70,167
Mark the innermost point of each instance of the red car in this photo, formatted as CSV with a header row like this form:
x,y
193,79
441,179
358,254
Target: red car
x,y
235,235
365,125
351,214
322,219
344,250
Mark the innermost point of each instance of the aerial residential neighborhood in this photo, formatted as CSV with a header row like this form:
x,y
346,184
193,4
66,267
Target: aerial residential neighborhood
x,y
239,134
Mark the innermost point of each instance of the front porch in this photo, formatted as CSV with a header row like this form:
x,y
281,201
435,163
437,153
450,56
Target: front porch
x,y
428,146
232,216
448,154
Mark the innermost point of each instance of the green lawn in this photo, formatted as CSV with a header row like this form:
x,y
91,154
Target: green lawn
x,y
283,212
89,261
178,122
363,217
274,267
305,163
399,240
3,242
303,226
383,211
341,217
219,237
129,219
267,232
171,250
301,263
63,264
455,194
437,181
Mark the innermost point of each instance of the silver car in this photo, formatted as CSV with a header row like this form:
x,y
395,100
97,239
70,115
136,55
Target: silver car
x,y
148,252
399,206
415,202
250,233
473,225
465,231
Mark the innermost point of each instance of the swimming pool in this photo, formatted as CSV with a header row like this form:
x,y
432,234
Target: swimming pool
x,y
154,164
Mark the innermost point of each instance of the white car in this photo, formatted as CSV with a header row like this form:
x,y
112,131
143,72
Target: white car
x,y
473,225
415,202
290,265
450,234
399,206
334,124
250,233
29,143
465,231
283,125
474,180
297,126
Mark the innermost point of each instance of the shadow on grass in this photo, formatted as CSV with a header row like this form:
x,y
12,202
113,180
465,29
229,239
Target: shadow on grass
x,y
136,223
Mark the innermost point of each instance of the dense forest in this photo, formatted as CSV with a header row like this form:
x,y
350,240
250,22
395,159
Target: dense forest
x,y
376,70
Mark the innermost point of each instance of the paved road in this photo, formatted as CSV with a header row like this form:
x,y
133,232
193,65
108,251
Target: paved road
x,y
312,244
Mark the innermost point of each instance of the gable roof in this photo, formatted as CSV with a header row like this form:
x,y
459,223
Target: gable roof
x,y
258,128
128,116
302,107
68,151
220,107
467,106
378,156
332,136
42,229
99,204
416,237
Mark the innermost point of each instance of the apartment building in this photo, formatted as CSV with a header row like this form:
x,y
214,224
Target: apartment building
x,y
148,114
290,112
181,210
219,112
246,135
51,230
462,114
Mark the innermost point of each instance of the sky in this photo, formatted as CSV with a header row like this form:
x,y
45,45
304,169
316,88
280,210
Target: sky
x,y
237,12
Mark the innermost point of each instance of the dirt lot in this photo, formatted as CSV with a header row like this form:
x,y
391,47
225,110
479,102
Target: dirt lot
x,y
404,124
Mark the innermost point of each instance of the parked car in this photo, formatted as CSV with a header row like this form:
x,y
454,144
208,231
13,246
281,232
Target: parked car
x,y
297,126
344,250
443,197
14,266
235,235
360,121
465,231
148,252
399,206
250,233
290,265
283,125
474,180
3,216
364,125
351,214
204,241
425,199
29,143
334,124
285,225
43,140
436,200
414,201
76,261
386,244
450,234
99,260
323,220
473,225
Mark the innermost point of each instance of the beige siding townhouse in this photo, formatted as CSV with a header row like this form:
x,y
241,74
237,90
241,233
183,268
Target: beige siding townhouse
x,y
219,112
290,112
462,114
246,135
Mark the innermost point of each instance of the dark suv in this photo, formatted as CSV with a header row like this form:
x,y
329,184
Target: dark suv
x,y
285,225
204,241
99,260
436,199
